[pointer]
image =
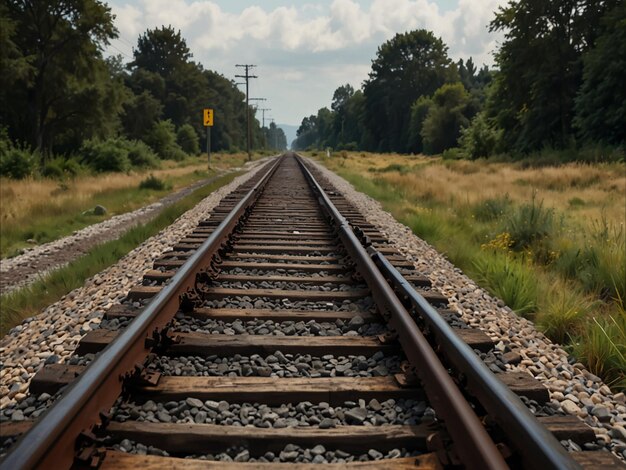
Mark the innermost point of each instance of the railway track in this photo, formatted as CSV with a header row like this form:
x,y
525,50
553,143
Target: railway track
x,y
286,331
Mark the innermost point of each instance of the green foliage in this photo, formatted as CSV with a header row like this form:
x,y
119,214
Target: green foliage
x,y
454,153
16,162
510,280
529,224
61,168
419,111
104,156
62,90
275,138
141,113
408,66
540,69
162,139
602,347
162,51
601,101
140,155
187,139
481,138
152,182
446,117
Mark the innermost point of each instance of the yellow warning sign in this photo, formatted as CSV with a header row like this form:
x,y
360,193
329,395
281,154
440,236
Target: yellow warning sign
x,y
208,117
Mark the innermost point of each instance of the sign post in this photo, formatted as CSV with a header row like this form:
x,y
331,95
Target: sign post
x,y
208,123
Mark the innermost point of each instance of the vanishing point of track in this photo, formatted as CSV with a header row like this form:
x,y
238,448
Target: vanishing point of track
x,y
286,326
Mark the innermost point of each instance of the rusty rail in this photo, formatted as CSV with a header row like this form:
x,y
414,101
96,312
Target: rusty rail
x,y
474,445
51,442
537,446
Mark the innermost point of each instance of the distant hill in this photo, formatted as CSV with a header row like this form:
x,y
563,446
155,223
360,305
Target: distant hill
x,y
290,132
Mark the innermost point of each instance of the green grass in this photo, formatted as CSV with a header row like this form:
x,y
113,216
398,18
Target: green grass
x,y
510,280
602,347
30,300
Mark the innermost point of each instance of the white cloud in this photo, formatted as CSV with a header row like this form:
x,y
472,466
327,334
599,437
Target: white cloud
x,y
311,47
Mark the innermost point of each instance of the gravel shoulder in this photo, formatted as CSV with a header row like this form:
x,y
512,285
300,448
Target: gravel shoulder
x,y
24,269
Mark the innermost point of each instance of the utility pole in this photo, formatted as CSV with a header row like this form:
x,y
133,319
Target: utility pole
x,y
247,77
273,134
263,126
263,114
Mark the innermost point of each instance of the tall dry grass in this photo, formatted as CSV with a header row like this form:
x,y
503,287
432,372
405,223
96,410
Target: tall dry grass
x,y
550,240
21,198
39,210
591,190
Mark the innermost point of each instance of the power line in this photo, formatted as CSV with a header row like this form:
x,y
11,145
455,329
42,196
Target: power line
x,y
247,77
119,50
128,43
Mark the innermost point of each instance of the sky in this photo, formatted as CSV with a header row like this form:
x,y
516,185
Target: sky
x,y
304,50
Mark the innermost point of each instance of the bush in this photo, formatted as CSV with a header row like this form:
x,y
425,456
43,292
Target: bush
x,y
454,153
71,167
140,155
108,155
162,139
187,139
15,162
480,138
52,169
152,182
60,168
529,223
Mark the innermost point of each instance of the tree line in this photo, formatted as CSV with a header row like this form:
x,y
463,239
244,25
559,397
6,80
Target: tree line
x,y
59,95
558,83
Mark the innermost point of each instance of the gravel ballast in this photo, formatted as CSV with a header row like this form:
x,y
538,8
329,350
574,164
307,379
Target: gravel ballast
x,y
53,335
291,453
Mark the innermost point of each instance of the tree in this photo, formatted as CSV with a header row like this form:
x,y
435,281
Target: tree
x,y
162,51
540,64
406,67
275,137
339,106
59,67
163,73
307,134
601,101
419,111
140,115
446,118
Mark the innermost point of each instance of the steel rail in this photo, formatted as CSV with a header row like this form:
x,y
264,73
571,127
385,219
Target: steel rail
x,y
473,444
537,446
52,441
